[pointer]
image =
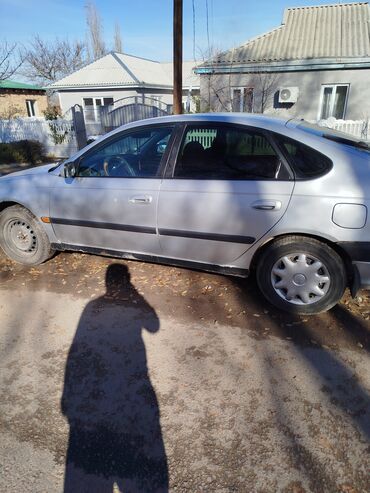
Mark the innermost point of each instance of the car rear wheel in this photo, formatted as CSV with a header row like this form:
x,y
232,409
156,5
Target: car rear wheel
x,y
301,275
22,237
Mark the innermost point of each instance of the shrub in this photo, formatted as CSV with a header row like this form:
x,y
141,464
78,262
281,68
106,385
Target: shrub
x,y
23,151
52,112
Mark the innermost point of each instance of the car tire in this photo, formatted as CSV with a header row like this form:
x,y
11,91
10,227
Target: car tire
x,y
301,275
22,237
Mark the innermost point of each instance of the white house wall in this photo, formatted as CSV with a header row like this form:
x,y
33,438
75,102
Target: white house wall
x,y
219,87
70,98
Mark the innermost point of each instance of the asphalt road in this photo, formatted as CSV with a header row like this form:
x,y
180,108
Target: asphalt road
x,y
132,377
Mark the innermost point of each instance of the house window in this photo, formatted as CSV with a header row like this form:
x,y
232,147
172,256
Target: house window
x,y
333,101
31,107
89,109
92,107
242,99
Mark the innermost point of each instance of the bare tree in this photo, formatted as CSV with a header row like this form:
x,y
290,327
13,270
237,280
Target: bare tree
x,y
229,91
49,61
10,59
216,88
117,38
266,83
97,46
72,55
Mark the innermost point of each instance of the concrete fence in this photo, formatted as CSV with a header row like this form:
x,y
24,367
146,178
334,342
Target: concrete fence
x,y
356,128
57,136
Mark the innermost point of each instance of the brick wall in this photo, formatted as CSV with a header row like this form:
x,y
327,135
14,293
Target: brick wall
x,y
13,104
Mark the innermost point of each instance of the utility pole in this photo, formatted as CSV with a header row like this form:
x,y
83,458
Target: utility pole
x,y
177,57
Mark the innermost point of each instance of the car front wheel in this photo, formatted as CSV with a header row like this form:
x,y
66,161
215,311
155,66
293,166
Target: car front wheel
x,y
301,275
22,237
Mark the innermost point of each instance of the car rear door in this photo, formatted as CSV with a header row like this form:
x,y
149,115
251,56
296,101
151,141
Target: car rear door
x,y
224,189
112,202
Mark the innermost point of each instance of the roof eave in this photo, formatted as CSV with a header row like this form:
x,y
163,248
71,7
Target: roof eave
x,y
286,65
117,86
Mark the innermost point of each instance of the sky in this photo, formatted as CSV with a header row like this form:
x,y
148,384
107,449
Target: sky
x,y
146,25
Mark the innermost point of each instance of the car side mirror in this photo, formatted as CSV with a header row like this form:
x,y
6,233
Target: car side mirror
x,y
161,147
69,170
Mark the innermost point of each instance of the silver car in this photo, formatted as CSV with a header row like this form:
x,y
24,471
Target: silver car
x,y
227,193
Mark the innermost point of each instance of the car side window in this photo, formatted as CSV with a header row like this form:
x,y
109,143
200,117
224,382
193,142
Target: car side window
x,y
307,162
135,154
226,153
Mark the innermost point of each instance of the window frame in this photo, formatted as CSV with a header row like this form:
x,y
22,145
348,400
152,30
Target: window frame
x,y
95,107
31,107
334,86
277,137
116,137
241,106
180,134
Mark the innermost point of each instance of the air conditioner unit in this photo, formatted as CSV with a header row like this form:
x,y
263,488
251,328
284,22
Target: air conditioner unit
x,y
288,94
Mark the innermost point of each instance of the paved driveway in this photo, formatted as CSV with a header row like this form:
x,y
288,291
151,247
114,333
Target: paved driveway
x,y
123,376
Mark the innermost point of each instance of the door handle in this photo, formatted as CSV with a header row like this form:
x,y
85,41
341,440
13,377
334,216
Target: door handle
x,y
141,199
267,205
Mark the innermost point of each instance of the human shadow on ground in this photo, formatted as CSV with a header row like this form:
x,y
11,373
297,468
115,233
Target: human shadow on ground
x,y
115,433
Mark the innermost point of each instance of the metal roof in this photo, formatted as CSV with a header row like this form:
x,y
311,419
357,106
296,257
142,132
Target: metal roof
x,y
10,84
122,70
339,31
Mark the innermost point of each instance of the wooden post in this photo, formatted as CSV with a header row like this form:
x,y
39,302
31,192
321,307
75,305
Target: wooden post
x,y
177,57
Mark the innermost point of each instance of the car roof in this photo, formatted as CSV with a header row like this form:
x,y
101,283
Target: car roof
x,y
261,121
243,118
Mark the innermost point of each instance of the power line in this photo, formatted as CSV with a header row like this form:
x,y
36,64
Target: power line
x,y
207,20
211,10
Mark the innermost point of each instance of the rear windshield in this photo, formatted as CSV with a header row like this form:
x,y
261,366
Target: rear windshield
x,y
335,135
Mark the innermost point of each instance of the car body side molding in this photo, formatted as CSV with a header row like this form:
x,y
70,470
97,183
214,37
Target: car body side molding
x,y
103,225
207,236
249,240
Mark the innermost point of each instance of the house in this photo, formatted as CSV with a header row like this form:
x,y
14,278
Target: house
x,y
21,100
315,65
116,76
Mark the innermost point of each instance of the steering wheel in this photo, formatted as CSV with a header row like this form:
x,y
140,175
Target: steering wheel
x,y
117,163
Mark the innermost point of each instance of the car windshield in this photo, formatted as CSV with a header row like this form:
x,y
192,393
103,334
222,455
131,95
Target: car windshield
x,y
335,135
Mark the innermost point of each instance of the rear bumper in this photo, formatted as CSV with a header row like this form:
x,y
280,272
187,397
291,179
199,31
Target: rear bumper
x,y
359,253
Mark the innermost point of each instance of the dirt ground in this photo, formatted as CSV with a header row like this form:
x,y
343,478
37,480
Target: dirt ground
x,y
197,296
133,377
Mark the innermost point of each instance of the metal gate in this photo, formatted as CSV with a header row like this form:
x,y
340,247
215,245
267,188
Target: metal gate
x,y
130,109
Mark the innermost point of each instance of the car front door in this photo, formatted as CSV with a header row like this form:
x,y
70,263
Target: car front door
x,y
223,191
111,203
